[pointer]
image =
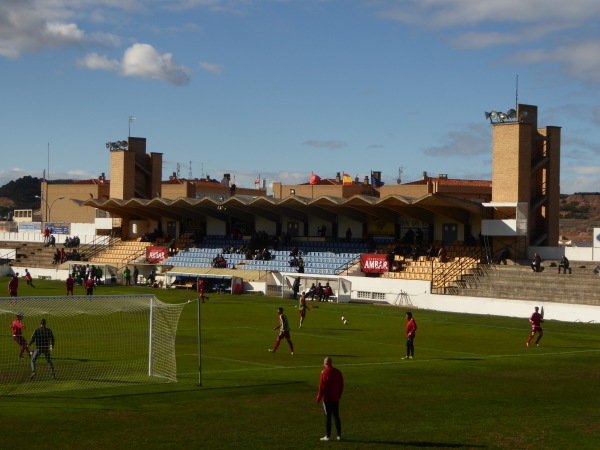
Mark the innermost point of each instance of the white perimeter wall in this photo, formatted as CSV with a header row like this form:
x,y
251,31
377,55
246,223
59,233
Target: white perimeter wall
x,y
410,294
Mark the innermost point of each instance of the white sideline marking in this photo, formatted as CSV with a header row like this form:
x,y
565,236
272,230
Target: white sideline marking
x,y
386,363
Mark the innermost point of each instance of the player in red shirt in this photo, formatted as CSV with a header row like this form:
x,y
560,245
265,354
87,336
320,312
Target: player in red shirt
x,y
13,285
29,278
201,290
331,386
284,332
411,331
17,330
536,326
69,283
90,286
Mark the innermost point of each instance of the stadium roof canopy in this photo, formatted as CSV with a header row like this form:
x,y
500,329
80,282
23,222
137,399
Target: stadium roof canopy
x,y
358,207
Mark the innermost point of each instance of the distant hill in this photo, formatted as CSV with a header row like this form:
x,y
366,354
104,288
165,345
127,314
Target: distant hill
x,y
20,194
579,214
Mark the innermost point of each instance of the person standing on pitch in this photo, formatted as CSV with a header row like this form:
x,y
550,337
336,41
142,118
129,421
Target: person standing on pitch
x,y
331,387
411,331
44,343
127,276
13,285
302,308
536,326
201,290
90,286
29,278
284,331
17,330
69,283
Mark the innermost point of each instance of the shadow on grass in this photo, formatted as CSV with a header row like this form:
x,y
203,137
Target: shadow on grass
x,y
424,444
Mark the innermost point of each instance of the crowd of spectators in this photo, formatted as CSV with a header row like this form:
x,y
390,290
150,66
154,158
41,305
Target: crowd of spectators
x,y
60,256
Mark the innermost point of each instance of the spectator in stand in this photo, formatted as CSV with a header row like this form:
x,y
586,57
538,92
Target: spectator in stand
x,y
504,256
300,265
442,255
349,234
46,234
52,241
431,252
564,264
536,263
266,254
311,292
390,260
419,236
294,262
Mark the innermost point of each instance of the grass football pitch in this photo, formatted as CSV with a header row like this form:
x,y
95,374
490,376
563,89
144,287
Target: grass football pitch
x,y
473,383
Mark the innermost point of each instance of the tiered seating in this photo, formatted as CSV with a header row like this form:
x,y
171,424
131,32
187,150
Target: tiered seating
x,y
121,253
323,263
202,258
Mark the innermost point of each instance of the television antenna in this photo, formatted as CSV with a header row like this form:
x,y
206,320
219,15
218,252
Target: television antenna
x,y
399,179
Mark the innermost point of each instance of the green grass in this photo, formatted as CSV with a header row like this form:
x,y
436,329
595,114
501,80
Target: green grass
x,y
473,384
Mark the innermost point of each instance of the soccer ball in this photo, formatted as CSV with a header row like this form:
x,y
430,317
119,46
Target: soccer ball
x,y
345,322
343,319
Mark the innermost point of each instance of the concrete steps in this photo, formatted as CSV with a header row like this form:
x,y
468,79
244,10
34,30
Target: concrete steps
x,y
521,283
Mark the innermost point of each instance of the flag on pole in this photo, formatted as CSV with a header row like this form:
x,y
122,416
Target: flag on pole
x,y
375,182
314,179
347,180
257,183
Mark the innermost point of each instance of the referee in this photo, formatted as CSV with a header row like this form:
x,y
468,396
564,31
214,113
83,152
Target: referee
x,y
44,342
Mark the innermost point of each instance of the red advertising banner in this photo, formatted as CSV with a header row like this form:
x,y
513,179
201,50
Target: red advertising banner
x,y
156,254
374,263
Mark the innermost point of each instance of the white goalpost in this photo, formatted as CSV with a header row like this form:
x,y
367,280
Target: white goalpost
x,y
100,341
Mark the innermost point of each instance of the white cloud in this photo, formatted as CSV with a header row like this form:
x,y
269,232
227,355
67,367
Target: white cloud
x,y
29,26
94,61
217,69
445,13
141,61
581,59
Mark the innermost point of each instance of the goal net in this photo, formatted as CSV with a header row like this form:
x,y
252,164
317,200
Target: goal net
x,y
100,341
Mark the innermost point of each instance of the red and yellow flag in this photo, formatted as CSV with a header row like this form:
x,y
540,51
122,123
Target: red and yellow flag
x,y
347,180
314,179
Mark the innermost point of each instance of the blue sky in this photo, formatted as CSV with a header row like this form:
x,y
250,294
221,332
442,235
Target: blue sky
x,y
283,88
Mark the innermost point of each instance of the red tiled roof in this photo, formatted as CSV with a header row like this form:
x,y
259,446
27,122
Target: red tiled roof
x,y
452,182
